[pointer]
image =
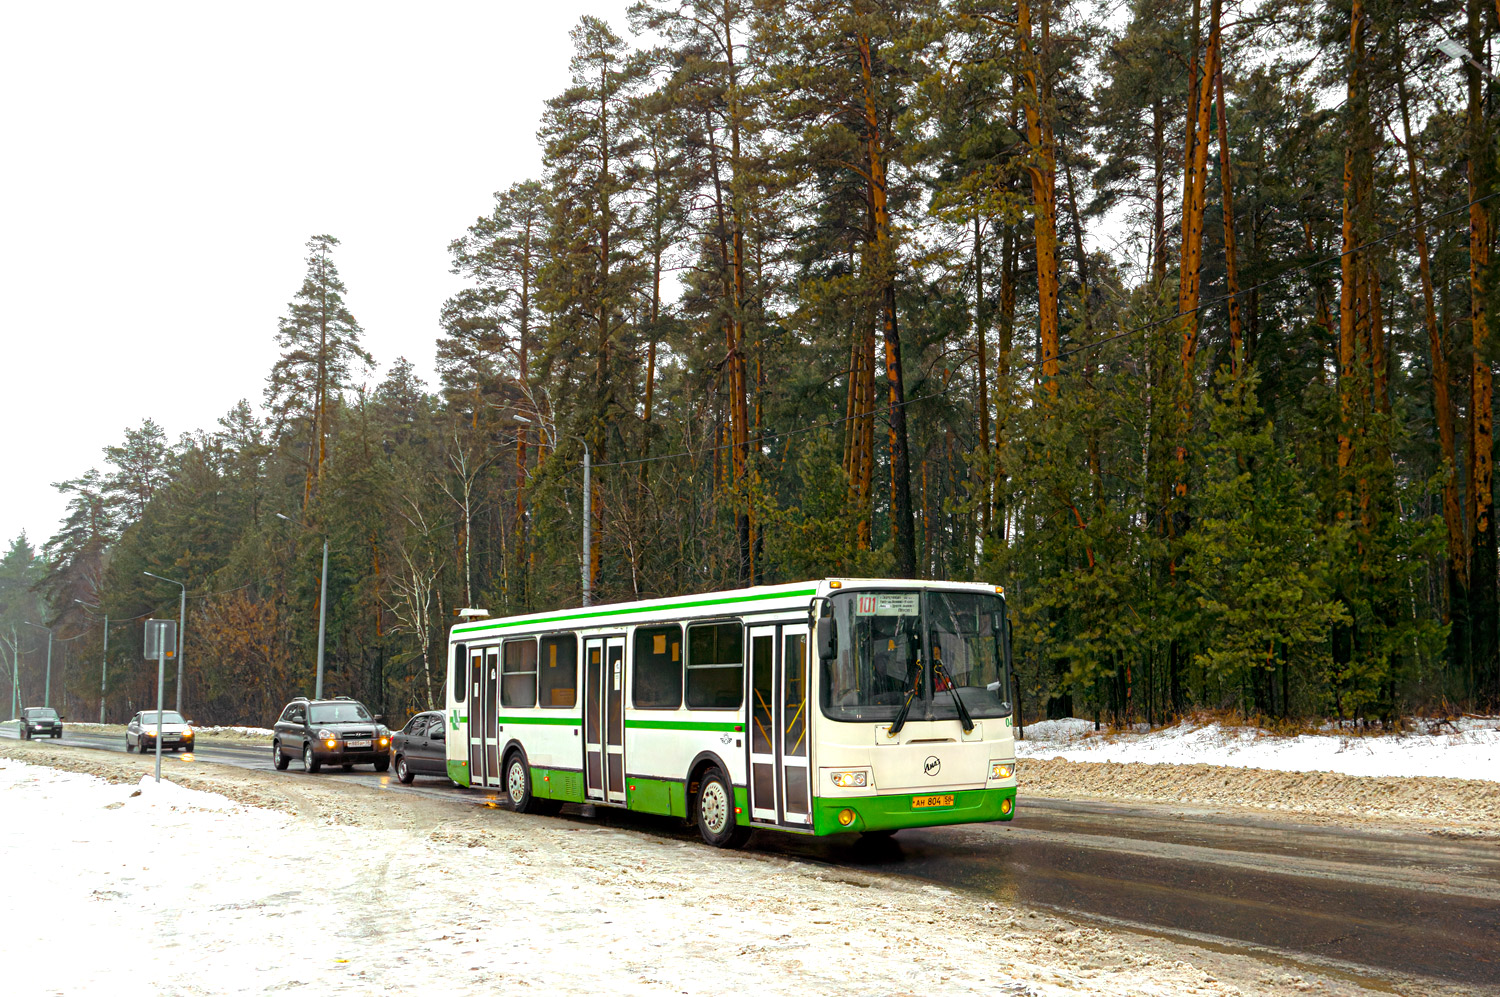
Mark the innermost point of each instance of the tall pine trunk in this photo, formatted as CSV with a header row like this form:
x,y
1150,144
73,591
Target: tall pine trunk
x,y
1456,579
903,528
1482,556
1043,172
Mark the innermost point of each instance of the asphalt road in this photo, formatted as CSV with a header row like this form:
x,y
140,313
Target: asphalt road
x,y
1378,907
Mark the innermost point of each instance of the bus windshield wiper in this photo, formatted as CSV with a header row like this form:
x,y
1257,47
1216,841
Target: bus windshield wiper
x,y
963,711
911,679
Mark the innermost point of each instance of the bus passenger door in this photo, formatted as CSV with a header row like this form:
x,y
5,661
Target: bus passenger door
x,y
476,718
593,710
488,732
763,724
794,727
614,719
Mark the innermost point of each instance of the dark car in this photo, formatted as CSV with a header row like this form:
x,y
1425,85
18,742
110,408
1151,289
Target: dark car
x,y
40,721
338,731
421,747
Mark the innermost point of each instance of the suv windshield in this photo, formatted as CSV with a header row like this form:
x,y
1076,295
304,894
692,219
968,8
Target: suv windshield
x,y
167,717
41,714
883,652
337,713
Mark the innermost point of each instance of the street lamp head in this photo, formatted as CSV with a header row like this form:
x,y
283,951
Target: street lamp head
x,y
287,518
518,417
1452,49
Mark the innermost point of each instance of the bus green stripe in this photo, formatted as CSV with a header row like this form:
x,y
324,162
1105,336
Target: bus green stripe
x,y
681,725
625,610
544,721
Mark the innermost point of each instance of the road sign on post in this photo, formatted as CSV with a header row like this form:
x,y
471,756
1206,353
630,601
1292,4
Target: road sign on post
x,y
161,644
161,636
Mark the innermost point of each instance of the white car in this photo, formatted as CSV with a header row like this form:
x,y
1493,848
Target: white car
x,y
176,733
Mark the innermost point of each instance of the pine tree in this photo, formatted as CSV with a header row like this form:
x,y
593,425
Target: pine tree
x,y
320,353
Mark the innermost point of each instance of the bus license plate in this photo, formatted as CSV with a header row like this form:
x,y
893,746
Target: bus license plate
x,y
932,801
356,744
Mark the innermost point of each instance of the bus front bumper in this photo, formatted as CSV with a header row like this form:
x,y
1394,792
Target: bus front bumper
x,y
897,810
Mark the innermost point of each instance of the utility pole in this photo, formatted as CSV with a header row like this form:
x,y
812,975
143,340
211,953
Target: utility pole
x,y
15,675
322,620
181,628
322,606
588,522
47,689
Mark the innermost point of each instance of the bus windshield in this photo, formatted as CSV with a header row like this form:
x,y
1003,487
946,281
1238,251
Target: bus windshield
x,y
891,645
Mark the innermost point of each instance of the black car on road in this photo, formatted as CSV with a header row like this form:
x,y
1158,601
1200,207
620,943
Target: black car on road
x,y
338,731
40,721
421,747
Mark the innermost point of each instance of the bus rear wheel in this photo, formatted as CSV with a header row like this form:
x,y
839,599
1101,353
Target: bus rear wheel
x,y
715,811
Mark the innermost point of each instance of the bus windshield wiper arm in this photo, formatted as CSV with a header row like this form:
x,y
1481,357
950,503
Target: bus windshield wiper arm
x,y
900,721
963,711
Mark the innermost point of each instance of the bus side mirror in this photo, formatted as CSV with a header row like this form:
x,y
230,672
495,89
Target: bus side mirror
x,y
827,648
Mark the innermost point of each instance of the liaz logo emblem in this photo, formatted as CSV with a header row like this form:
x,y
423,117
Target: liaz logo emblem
x,y
932,765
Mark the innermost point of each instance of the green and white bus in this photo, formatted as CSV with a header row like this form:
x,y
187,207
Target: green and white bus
x,y
819,707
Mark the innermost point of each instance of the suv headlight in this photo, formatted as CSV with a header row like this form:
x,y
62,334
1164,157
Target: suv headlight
x,y
326,735
857,779
381,730
1002,770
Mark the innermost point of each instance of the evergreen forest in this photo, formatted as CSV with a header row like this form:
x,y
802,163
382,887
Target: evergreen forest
x,y
1169,316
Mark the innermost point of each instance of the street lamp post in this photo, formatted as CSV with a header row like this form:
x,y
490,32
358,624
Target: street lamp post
x,y
322,606
103,660
588,500
181,628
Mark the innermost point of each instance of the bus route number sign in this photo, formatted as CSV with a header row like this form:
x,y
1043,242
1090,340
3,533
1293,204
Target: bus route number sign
x,y
887,604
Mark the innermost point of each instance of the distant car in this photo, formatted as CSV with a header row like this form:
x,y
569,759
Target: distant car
x,y
40,721
338,731
177,734
421,747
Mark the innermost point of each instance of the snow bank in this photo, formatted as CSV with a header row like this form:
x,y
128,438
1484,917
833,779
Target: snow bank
x,y
1466,749
250,731
150,890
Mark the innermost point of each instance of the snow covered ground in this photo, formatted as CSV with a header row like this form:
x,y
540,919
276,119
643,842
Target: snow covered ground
x,y
146,889
1469,748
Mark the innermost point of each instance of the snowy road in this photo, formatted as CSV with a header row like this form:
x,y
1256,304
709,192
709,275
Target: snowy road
x,y
1373,903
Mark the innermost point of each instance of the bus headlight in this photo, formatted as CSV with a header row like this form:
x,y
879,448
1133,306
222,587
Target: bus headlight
x,y
857,779
1002,770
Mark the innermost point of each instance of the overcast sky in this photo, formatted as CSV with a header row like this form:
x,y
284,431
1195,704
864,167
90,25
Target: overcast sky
x,y
165,163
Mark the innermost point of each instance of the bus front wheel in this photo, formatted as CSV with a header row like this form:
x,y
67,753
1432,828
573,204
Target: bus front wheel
x,y
715,810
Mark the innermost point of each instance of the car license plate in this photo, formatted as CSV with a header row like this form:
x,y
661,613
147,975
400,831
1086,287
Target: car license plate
x,y
932,801
171,737
357,744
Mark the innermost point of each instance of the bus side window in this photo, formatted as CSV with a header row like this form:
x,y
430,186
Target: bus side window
x,y
716,666
657,663
518,684
460,687
559,672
